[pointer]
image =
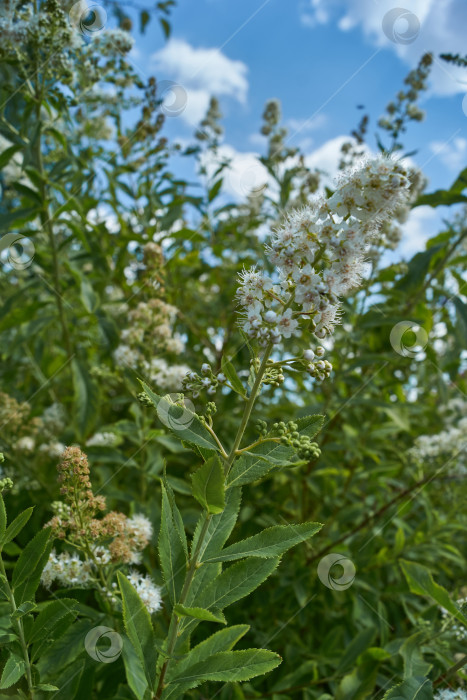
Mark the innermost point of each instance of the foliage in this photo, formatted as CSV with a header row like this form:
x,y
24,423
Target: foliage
x,y
117,278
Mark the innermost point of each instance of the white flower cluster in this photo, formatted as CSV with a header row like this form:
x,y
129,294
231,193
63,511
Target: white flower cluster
x,y
67,569
208,382
53,449
139,529
147,590
166,377
458,694
457,628
112,41
104,439
450,444
319,252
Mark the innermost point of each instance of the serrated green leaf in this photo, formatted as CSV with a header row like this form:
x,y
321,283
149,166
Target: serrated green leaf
x,y
12,671
199,614
15,527
138,627
172,553
421,582
272,542
183,423
48,624
416,688
236,582
229,666
208,486
219,527
30,557
269,456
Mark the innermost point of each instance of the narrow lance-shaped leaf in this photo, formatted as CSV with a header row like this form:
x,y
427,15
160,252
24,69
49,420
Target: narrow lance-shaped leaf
x,y
208,486
270,543
421,582
199,614
138,627
416,688
171,551
236,582
229,666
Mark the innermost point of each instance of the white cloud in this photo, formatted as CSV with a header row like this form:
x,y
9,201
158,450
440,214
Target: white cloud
x,y
202,72
452,154
326,158
422,224
245,174
438,27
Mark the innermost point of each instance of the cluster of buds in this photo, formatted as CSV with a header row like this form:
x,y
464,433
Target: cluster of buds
x,y
304,447
209,381
211,410
262,428
316,367
273,375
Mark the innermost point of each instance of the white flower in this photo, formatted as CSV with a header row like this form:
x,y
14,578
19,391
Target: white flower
x,y
67,569
286,325
53,449
25,444
147,590
103,440
451,695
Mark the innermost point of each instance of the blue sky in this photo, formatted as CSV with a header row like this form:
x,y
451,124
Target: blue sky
x,y
321,58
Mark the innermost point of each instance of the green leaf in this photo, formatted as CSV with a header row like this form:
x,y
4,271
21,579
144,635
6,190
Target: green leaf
x,y
138,627
270,455
219,528
208,486
224,640
7,155
86,398
88,295
236,582
48,617
412,655
199,614
421,582
134,670
47,687
172,553
229,666
215,189
12,671
272,542
416,688
30,557
16,526
2,517
231,375
183,423
144,18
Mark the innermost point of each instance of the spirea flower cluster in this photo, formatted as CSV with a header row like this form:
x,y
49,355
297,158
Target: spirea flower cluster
x,y
319,253
457,628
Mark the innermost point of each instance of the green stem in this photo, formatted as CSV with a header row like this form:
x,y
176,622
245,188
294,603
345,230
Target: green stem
x,y
46,223
194,560
19,628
